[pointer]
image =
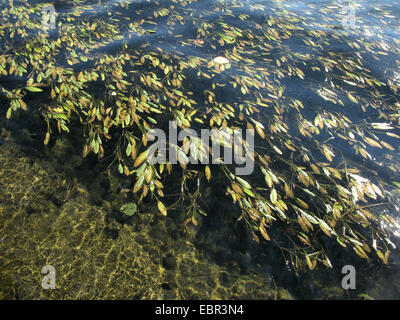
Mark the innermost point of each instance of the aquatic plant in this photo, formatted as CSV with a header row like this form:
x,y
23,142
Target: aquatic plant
x,y
305,189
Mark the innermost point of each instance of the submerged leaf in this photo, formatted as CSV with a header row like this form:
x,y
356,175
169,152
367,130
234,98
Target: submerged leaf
x,y
129,208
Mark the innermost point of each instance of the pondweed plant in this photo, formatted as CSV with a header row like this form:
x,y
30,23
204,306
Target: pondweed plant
x,y
120,76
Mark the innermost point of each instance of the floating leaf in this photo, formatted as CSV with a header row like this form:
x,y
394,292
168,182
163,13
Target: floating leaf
x,y
120,168
162,208
351,98
128,150
207,172
264,232
244,183
9,111
142,157
273,195
372,142
33,89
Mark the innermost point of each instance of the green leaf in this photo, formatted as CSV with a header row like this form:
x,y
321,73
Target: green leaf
x,y
120,168
129,208
8,115
396,184
128,149
249,192
244,183
33,89
309,217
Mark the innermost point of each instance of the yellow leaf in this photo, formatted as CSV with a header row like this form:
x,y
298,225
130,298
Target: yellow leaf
x,y
327,154
387,146
264,232
310,264
162,208
141,158
386,258
360,252
23,105
126,170
351,98
268,180
288,191
302,203
46,139
372,142
149,175
315,169
208,173
260,132
363,153
9,111
138,185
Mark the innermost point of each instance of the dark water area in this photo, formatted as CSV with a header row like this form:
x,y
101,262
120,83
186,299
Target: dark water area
x,y
61,209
